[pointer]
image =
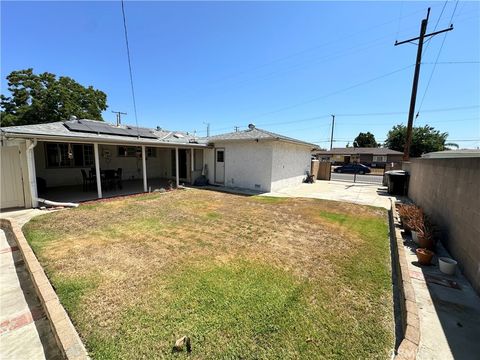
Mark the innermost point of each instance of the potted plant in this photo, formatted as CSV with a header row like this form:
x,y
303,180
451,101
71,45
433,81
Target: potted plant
x,y
425,237
424,256
410,216
407,213
416,223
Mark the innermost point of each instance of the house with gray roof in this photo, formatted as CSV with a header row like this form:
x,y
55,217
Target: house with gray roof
x,y
375,157
78,160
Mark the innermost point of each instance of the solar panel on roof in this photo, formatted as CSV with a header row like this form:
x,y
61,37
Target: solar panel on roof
x,y
142,132
77,126
107,129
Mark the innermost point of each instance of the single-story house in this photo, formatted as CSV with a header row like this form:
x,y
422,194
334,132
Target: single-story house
x,y
61,161
375,157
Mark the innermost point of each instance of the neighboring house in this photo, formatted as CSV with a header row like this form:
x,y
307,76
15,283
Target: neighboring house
x,y
49,159
375,157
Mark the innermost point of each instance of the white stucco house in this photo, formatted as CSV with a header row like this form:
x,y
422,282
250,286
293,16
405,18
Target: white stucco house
x,y
61,161
258,159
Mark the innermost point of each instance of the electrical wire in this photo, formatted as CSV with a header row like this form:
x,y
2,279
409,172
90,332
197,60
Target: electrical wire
x,y
435,65
130,67
333,93
435,28
340,121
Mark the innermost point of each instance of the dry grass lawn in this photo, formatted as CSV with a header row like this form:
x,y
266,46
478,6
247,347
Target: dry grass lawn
x,y
244,277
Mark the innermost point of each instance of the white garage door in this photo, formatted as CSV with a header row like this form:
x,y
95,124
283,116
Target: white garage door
x,y
11,178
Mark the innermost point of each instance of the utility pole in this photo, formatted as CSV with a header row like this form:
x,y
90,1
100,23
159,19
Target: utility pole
x,y
331,136
236,128
208,128
119,118
416,75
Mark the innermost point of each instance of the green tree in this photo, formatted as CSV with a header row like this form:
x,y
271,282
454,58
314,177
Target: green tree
x,y
425,139
365,140
44,98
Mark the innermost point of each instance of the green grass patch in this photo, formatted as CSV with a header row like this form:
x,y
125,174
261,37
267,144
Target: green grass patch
x,y
213,215
268,199
71,290
240,309
367,266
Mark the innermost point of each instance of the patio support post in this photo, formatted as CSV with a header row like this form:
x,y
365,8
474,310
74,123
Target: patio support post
x,y
97,171
177,176
192,165
144,168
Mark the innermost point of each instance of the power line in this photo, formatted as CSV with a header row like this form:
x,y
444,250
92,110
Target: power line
x,y
450,62
130,66
347,115
436,61
406,112
334,92
436,25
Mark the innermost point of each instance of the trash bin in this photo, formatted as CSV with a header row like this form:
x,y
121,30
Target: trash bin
x,y
397,182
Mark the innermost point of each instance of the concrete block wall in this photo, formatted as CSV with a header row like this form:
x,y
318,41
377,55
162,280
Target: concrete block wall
x,y
449,192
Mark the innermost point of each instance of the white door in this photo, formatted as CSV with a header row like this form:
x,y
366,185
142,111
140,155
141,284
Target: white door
x,y
219,166
11,178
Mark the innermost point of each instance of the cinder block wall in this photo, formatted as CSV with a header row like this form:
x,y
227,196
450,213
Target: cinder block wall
x,y
449,192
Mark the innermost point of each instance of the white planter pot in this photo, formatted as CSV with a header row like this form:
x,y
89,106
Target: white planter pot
x,y
447,265
415,236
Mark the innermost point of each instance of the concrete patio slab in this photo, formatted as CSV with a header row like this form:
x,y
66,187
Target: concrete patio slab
x,y
357,193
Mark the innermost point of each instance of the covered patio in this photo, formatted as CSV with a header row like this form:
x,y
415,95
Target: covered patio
x,y
80,160
68,171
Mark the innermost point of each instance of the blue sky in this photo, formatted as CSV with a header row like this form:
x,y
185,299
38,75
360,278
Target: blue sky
x,y
285,66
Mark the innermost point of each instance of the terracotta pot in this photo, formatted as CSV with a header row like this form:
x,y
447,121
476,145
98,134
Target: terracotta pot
x,y
425,242
424,256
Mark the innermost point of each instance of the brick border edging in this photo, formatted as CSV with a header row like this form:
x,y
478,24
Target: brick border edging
x,y
408,306
66,336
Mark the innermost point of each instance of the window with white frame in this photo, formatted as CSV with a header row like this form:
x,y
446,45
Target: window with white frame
x,y
379,158
132,151
65,155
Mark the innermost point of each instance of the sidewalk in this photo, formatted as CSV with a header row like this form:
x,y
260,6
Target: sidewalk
x,y
448,310
25,331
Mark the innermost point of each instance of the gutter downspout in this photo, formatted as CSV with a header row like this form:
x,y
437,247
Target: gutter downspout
x,y
32,176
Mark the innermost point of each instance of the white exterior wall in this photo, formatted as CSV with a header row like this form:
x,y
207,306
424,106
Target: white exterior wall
x,y
289,164
247,164
23,178
209,161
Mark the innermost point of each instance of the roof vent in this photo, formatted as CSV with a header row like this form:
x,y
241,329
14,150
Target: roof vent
x,y
251,126
159,128
73,118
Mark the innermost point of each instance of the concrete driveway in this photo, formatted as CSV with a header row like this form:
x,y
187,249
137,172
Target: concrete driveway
x,y
357,193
